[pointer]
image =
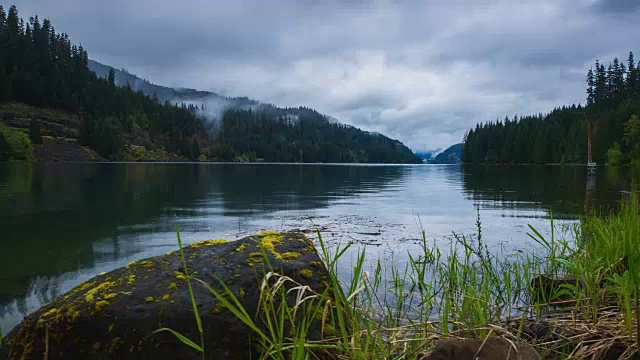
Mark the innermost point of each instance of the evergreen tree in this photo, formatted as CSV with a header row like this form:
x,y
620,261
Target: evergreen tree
x,y
632,138
590,88
632,81
112,77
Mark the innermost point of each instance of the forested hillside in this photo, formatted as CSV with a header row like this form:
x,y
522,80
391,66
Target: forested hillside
x,y
612,106
45,70
451,155
42,68
247,130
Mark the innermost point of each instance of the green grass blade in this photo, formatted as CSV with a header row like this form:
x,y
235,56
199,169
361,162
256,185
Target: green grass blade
x,y
186,272
181,337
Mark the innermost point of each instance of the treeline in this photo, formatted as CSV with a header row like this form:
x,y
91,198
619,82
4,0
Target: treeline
x,y
42,68
300,135
613,101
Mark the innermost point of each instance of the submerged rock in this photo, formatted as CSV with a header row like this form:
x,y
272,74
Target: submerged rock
x,y
113,315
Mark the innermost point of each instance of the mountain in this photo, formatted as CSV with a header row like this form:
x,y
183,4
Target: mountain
x,y
246,129
427,156
164,93
450,156
50,90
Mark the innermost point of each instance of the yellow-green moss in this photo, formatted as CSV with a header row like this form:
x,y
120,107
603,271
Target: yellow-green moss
x,y
165,297
217,309
49,315
180,277
172,286
290,255
131,279
316,263
148,299
72,313
232,279
306,273
90,296
254,257
269,241
241,292
242,247
101,305
208,243
132,263
147,264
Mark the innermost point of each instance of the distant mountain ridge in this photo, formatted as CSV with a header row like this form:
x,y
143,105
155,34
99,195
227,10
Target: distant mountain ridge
x,y
246,129
165,93
215,104
450,156
427,155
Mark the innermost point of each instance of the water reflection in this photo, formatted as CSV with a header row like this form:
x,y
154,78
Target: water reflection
x,y
55,218
564,190
64,223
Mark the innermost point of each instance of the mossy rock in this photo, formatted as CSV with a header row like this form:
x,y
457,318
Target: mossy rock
x,y
114,314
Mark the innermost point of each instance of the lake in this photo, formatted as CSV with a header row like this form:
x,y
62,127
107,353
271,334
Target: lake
x,y
61,224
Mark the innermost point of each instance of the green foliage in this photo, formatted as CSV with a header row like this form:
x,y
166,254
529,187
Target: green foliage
x,y
614,155
300,135
632,138
14,145
42,68
104,136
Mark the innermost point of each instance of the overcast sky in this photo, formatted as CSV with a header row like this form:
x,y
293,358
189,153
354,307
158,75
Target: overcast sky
x,y
422,72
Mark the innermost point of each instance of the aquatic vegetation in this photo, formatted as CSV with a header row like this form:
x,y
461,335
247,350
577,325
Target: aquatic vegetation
x,y
396,313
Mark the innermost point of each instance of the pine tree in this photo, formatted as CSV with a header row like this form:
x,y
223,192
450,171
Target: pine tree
x,y
590,88
112,77
631,82
600,86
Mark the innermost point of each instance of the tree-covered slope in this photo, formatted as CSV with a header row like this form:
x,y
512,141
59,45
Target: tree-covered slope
x,y
41,68
450,156
613,101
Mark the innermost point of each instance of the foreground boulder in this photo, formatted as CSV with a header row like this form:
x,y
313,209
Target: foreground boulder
x,y
490,348
113,315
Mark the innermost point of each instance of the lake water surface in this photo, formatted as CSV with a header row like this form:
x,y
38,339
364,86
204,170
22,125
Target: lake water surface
x,y
61,224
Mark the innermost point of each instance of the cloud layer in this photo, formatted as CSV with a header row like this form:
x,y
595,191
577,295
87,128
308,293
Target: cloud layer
x,y
419,71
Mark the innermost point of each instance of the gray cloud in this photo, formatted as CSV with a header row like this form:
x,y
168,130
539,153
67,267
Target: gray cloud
x,y
419,71
616,6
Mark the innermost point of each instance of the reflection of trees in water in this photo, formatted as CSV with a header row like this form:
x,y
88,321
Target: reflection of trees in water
x,y
267,188
50,226
563,189
52,215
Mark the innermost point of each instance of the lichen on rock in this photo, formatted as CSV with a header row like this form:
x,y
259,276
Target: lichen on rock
x,y
112,315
